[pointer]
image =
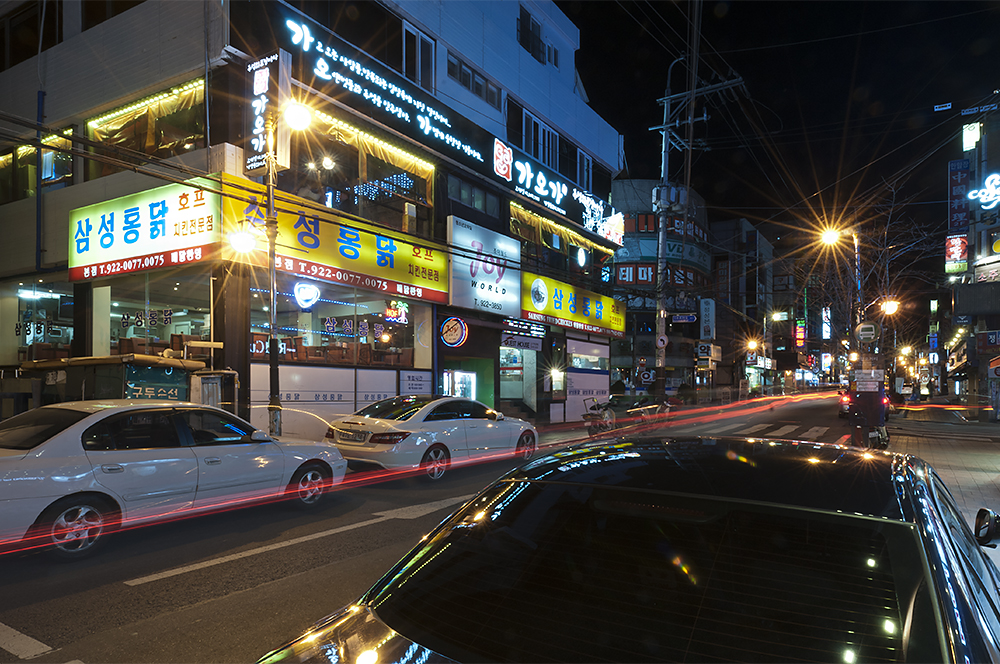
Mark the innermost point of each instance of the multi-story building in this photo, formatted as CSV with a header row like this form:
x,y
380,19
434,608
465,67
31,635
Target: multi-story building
x,y
971,342
743,266
442,223
688,278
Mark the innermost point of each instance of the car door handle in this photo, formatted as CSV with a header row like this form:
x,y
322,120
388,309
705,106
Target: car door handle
x,y
112,468
212,461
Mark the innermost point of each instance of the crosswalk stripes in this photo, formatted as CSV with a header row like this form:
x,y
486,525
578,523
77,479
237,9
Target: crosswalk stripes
x,y
782,431
814,433
754,429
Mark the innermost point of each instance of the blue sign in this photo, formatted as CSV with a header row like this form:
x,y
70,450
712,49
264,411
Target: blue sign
x,y
684,318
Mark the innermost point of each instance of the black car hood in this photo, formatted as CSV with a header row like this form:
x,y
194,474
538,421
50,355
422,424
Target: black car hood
x,y
345,635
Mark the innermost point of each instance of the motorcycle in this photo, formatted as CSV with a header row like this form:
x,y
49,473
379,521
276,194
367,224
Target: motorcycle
x,y
622,410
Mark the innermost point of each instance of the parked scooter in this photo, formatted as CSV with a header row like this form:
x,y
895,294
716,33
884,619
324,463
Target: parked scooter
x,y
622,410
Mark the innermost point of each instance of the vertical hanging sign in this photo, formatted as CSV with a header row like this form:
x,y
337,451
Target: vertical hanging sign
x,y
958,187
269,85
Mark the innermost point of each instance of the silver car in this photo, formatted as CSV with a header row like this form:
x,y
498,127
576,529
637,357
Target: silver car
x,y
429,432
71,473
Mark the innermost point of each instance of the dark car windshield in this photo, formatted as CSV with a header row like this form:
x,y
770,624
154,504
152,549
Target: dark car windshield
x,y
397,408
32,428
554,572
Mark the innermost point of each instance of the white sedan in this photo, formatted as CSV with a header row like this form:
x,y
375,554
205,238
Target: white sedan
x,y
429,432
71,473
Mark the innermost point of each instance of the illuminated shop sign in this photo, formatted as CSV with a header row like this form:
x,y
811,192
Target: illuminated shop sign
x,y
485,269
319,244
164,227
956,253
989,195
800,333
340,71
352,76
397,312
306,294
454,332
546,300
958,188
827,329
523,327
268,87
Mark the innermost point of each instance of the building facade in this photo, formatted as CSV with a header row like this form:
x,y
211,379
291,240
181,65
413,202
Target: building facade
x,y
442,222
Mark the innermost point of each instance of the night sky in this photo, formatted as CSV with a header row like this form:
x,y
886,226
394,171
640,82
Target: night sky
x,y
838,97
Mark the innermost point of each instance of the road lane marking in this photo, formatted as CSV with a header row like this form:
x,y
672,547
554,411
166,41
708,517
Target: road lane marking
x,y
725,428
409,512
814,433
783,431
20,645
754,428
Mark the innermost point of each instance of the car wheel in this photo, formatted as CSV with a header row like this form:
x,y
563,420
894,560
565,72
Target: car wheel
x,y
435,462
525,446
309,484
74,528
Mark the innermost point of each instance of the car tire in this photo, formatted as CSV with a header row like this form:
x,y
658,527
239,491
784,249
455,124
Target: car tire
x,y
525,446
309,485
436,462
75,527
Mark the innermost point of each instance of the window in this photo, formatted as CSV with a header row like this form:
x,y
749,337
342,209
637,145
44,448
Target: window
x,y
19,33
473,196
134,430
32,428
529,35
585,171
418,58
346,326
96,12
211,428
540,141
17,169
167,124
552,55
473,81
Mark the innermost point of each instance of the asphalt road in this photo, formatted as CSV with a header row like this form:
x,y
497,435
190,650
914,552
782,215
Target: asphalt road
x,y
229,587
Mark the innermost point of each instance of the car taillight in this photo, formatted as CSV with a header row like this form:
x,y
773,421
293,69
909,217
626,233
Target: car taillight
x,y
387,438
845,399
331,434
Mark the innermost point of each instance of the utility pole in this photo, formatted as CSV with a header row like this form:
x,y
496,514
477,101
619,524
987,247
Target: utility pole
x,y
667,198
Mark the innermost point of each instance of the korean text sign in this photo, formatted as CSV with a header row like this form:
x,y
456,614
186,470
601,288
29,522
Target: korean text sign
x,y
547,300
163,227
485,269
318,243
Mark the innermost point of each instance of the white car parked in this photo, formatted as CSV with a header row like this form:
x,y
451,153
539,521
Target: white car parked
x,y
429,432
71,473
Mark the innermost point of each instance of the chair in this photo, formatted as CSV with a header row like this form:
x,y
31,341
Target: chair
x,y
364,354
406,357
258,346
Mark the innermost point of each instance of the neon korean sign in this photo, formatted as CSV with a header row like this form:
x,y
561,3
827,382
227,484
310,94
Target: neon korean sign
x,y
989,195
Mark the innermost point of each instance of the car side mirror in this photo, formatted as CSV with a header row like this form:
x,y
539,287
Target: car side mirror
x,y
986,527
259,436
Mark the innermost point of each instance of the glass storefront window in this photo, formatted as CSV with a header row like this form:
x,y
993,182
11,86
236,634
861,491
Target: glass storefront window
x,y
44,328
342,325
578,361
153,311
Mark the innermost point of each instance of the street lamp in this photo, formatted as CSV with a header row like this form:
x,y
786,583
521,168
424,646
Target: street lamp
x,y
296,116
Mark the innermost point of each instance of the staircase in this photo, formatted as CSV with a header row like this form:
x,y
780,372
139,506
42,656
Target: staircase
x,y
518,409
